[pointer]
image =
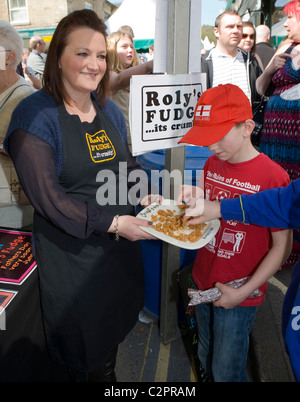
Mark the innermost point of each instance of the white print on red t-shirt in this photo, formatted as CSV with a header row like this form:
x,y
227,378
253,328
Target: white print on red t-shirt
x,y
232,240
245,186
217,193
228,243
220,194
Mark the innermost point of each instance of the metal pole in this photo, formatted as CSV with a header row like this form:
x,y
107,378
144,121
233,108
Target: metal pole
x,y
177,63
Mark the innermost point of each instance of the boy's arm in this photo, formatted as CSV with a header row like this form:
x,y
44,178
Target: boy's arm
x,y
273,260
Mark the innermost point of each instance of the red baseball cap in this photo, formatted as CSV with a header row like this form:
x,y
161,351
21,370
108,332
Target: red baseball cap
x,y
217,111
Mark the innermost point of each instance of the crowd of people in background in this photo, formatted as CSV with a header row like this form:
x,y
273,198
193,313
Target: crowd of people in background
x,y
243,56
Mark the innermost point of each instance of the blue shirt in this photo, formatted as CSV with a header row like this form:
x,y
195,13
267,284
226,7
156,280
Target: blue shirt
x,y
277,207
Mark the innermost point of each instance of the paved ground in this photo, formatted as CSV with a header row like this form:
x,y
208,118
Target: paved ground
x,y
270,360
143,357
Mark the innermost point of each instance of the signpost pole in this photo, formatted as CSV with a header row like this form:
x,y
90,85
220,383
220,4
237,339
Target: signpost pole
x,y
177,63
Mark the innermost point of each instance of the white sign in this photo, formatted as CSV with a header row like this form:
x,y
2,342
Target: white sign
x,y
161,109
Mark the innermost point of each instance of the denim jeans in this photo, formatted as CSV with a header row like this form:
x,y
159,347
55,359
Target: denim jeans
x,y
223,340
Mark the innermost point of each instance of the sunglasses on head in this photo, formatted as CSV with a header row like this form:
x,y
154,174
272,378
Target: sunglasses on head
x,y
244,36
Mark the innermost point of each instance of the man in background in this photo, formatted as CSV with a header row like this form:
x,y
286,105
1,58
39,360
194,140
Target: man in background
x,y
227,63
264,50
35,60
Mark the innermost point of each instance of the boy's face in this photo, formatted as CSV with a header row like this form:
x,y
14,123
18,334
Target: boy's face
x,y
229,148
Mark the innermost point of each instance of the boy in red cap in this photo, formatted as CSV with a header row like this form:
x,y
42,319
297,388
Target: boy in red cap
x,y
223,122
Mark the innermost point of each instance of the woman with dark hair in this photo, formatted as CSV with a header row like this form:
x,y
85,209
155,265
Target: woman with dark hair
x,y
63,140
247,42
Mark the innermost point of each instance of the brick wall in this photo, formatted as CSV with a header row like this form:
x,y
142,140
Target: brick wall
x,y
47,13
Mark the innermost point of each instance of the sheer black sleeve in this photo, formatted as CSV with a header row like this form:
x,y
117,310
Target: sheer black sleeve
x,y
35,164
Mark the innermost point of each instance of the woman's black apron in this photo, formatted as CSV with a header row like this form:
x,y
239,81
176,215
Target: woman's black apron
x,y
91,289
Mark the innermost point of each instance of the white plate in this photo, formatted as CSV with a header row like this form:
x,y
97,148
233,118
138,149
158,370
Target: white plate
x,y
209,232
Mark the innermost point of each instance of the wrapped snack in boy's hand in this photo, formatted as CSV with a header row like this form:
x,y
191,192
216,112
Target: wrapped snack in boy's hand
x,y
213,294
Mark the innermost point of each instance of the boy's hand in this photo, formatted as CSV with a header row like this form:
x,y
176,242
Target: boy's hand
x,y
150,198
189,194
209,210
193,198
198,209
230,297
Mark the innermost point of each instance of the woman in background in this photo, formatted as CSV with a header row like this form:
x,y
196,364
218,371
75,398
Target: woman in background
x,y
247,42
15,210
280,138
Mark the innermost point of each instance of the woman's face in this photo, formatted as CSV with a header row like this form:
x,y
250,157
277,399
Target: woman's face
x,y
83,61
293,27
125,50
247,41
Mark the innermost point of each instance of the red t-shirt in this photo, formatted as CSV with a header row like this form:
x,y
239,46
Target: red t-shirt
x,y
237,249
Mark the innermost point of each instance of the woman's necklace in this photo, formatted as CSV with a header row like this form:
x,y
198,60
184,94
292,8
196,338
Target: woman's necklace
x,y
85,113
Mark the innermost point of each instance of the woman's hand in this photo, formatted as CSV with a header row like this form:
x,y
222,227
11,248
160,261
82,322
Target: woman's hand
x,y
277,62
264,80
129,228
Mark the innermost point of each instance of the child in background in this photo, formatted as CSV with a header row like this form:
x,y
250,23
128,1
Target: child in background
x,y
122,56
223,122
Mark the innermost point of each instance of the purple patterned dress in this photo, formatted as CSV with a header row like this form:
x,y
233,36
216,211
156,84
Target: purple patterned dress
x,y
280,138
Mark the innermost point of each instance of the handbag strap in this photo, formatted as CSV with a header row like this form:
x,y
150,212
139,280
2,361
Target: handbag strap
x,y
291,47
22,85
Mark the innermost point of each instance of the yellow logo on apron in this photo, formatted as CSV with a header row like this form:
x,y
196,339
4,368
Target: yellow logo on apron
x,y
100,147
